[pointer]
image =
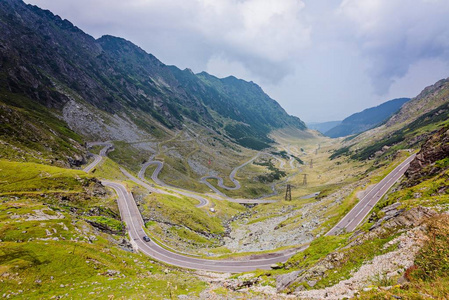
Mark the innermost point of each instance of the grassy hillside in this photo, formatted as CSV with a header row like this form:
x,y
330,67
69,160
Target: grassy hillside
x,y
409,136
31,132
399,251
426,185
49,249
417,120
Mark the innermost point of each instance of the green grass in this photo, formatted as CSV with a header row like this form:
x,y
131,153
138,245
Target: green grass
x,y
417,290
109,169
19,177
35,266
190,236
112,224
182,212
96,149
33,132
317,250
339,212
404,137
128,156
63,188
176,173
428,277
261,219
49,250
226,210
425,193
353,259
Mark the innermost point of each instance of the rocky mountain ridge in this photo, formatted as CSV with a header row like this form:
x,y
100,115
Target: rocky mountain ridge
x,y
54,63
430,98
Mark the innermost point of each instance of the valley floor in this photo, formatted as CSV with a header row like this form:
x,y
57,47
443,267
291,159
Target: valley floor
x,y
86,217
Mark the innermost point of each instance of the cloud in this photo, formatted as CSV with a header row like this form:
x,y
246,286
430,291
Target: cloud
x,y
222,67
269,29
269,33
321,59
395,34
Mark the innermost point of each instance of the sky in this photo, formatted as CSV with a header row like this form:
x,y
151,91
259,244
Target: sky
x,y
322,60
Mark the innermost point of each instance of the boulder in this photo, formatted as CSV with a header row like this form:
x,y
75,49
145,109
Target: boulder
x,y
283,281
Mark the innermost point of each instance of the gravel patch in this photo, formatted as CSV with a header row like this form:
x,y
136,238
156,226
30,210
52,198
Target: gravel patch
x,y
83,120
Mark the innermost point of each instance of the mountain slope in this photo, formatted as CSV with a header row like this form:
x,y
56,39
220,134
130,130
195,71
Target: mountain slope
x,y
118,85
62,236
366,119
417,120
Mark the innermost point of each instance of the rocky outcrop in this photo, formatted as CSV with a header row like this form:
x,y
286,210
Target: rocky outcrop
x,y
394,219
424,166
105,228
385,266
285,280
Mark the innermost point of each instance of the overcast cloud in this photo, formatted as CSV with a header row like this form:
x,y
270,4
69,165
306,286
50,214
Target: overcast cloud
x,y
320,59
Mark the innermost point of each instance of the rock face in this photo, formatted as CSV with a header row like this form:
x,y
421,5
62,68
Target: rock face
x,y
395,218
390,264
436,148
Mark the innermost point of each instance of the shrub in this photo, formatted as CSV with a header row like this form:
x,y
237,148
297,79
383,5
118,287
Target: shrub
x,y
432,261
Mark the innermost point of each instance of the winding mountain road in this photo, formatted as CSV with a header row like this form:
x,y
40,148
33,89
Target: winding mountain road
x,y
362,209
203,201
259,200
98,158
131,216
231,177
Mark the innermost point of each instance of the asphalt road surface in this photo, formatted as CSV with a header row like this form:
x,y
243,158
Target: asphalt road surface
x,y
362,209
97,158
131,216
231,177
203,201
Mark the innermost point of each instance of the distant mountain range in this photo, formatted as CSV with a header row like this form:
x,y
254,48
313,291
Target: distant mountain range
x,y
323,127
367,119
416,121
